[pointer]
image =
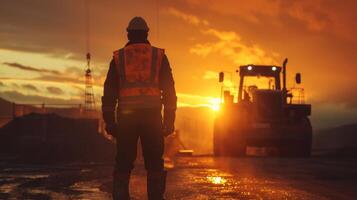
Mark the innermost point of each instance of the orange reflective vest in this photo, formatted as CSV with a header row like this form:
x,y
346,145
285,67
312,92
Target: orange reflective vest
x,y
138,67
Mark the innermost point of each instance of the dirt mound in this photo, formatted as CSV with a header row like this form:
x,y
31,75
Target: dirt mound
x,y
52,138
5,107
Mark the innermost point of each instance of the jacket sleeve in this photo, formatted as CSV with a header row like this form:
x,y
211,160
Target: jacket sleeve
x,y
110,95
167,86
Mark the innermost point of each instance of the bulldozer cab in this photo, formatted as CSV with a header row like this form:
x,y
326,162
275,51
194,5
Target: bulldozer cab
x,y
255,78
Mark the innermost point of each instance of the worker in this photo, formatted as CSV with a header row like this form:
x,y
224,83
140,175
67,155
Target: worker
x,y
138,84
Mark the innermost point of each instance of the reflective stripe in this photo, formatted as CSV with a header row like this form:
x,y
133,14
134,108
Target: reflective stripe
x,y
154,59
116,58
141,98
140,92
119,62
139,84
121,66
160,57
142,102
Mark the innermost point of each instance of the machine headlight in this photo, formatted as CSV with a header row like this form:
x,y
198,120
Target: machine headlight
x,y
250,68
273,68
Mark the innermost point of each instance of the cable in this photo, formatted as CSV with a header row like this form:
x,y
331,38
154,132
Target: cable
x,y
157,21
87,15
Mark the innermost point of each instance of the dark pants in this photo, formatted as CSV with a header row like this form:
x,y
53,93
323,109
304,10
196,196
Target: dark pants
x,y
146,125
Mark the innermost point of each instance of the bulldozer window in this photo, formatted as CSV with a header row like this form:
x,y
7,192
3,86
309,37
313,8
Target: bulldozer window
x,y
260,82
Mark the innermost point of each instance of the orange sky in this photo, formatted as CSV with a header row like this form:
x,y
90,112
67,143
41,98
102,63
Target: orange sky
x,y
42,46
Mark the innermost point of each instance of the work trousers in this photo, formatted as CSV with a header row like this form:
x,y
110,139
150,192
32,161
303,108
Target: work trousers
x,y
145,124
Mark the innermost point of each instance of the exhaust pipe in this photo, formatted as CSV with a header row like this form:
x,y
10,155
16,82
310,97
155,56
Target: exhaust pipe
x,y
284,80
284,74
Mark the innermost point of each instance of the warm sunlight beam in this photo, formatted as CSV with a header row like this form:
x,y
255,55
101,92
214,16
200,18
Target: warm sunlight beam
x,y
215,104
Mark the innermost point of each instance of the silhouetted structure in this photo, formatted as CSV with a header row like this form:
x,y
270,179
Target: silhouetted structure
x,y
89,102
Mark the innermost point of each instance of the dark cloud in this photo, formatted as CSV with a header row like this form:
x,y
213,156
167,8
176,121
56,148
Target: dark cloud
x,y
40,26
60,79
30,87
18,97
80,89
345,96
98,81
55,90
30,68
75,71
328,16
15,85
58,28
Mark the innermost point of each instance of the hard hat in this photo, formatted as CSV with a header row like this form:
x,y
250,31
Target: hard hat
x,y
137,23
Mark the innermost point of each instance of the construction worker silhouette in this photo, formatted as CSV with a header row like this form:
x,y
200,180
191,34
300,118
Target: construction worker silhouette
x,y
138,84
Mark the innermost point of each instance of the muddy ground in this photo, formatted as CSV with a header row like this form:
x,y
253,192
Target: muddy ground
x,y
191,178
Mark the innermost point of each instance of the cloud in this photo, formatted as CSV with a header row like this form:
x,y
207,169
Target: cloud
x,y
192,19
189,100
2,84
48,26
30,87
193,96
23,27
317,15
15,85
55,90
208,75
30,68
69,75
250,11
230,44
49,80
226,43
312,13
325,16
60,79
74,71
18,97
345,96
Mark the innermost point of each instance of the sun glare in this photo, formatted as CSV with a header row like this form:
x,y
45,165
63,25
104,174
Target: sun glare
x,y
215,104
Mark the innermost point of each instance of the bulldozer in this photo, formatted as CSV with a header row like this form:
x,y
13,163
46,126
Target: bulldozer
x,y
264,113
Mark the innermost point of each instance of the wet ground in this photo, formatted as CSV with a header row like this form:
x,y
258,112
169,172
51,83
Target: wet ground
x,y
192,178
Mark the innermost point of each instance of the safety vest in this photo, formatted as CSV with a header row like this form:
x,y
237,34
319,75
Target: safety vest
x,y
138,67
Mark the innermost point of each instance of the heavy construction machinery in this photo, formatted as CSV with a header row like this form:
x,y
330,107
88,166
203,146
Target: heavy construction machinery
x,y
264,115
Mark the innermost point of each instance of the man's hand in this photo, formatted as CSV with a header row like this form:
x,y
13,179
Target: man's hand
x,y
112,129
169,122
168,130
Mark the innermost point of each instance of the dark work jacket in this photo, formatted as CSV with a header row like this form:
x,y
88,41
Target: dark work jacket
x,y
112,86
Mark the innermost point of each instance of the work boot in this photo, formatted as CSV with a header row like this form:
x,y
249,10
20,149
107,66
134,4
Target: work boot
x,y
121,185
156,185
